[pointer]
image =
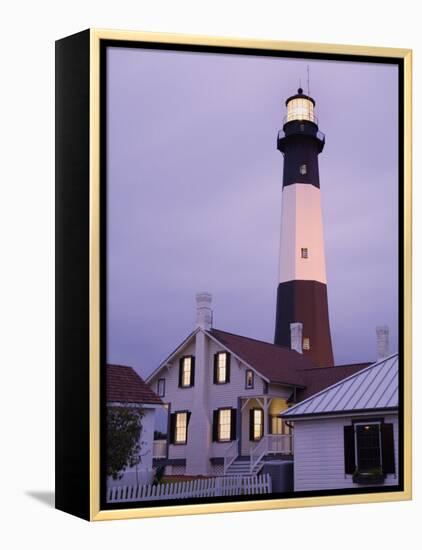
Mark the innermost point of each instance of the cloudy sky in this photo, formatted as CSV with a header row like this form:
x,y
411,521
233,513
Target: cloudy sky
x,y
195,188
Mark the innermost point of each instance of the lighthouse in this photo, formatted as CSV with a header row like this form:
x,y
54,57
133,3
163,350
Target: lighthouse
x,y
302,287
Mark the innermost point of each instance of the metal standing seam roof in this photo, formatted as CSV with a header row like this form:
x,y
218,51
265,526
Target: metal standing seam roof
x,y
375,387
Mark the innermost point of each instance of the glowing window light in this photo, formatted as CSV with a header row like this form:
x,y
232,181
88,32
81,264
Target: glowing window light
x,y
187,369
181,427
222,367
276,425
300,109
257,424
224,425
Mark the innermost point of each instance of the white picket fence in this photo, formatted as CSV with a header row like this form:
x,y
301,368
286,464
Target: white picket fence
x,y
210,487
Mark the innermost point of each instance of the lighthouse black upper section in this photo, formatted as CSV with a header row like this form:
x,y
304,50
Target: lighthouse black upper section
x,y
300,142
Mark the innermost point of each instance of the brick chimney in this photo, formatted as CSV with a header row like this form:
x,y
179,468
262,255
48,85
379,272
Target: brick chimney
x,y
383,344
203,310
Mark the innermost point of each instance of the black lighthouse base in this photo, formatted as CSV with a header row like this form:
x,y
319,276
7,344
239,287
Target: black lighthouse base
x,y
305,302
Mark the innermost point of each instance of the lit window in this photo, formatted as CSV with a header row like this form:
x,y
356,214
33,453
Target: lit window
x,y
224,424
186,372
258,424
303,169
181,427
249,379
306,344
161,387
221,373
276,425
304,253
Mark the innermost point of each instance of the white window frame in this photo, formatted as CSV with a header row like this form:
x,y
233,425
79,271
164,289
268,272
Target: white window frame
x,y
176,427
221,368
261,424
247,386
163,382
219,438
184,359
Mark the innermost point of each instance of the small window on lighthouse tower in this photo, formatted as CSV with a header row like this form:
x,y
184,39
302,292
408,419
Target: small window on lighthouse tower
x,y
304,253
306,344
303,170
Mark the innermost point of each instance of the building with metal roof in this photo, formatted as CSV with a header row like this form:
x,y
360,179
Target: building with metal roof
x,y
347,435
373,388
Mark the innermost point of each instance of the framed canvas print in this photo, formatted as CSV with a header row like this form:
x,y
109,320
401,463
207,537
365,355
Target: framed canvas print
x,y
233,274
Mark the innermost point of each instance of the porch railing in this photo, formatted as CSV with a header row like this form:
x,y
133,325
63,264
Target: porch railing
x,y
270,444
282,444
231,454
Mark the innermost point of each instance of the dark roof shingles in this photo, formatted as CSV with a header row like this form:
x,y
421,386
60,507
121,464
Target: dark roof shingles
x,y
285,366
278,364
124,385
316,380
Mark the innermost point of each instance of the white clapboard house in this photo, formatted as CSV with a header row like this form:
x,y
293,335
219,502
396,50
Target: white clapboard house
x,y
125,388
346,436
225,394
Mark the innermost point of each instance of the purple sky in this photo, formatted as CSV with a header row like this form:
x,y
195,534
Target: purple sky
x,y
194,197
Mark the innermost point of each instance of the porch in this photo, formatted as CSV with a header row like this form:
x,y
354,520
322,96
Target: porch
x,y
262,435
270,447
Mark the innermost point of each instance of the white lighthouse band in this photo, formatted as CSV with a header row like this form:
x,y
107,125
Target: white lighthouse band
x,y
302,255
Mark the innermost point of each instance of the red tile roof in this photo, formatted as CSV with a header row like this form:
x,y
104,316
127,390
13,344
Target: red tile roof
x,y
278,364
124,385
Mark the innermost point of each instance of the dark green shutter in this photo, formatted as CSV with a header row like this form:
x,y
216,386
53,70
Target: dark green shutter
x,y
349,450
228,367
192,371
188,415
215,415
180,371
233,421
251,417
215,368
172,427
270,424
387,449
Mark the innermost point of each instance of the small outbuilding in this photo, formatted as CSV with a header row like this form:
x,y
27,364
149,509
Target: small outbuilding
x,y
125,388
346,436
